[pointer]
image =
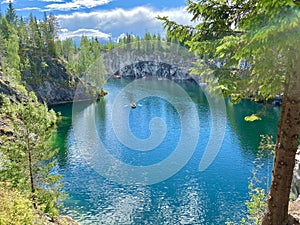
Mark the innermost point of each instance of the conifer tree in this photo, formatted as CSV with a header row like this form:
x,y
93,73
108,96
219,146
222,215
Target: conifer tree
x,y
85,59
27,154
11,15
66,48
11,63
50,33
265,34
4,27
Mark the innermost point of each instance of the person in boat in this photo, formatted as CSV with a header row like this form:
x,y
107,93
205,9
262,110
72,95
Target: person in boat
x,y
133,105
116,76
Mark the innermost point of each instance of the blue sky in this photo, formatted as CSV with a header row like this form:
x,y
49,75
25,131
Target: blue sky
x,y
105,19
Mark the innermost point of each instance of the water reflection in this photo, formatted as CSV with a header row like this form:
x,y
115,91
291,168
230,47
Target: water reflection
x,y
252,130
189,197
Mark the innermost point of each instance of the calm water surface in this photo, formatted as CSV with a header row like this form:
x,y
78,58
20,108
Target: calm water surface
x,y
213,196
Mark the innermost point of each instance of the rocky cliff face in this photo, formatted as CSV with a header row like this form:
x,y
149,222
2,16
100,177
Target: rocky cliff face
x,y
153,68
14,95
169,64
7,89
295,190
52,84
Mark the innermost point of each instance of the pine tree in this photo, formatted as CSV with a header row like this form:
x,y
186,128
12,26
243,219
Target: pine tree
x,y
2,50
4,28
52,27
66,49
28,155
11,63
11,15
95,49
22,32
265,34
69,52
85,58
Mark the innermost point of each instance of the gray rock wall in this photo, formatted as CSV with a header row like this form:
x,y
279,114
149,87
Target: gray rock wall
x,y
53,84
295,188
153,68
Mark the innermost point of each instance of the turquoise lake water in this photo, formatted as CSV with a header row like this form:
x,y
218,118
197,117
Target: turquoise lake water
x,y
98,195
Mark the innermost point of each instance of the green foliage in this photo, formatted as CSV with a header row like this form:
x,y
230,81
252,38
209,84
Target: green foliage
x,y
69,52
265,34
24,44
257,202
262,33
86,61
11,64
256,205
67,48
252,118
15,208
21,88
11,15
50,27
28,154
266,146
85,58
96,73
35,33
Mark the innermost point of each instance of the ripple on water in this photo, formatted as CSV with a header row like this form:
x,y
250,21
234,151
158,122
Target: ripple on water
x,y
188,197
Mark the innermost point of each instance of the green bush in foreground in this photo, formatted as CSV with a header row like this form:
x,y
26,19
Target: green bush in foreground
x,y
27,153
15,208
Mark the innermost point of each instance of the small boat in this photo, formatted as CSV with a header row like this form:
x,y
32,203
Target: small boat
x,y
203,84
116,76
133,105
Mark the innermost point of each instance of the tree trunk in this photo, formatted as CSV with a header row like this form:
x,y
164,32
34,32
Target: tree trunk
x,y
30,172
285,151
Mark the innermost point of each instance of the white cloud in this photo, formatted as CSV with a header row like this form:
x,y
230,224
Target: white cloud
x,y
7,1
28,9
57,1
76,4
121,36
117,21
64,30
65,33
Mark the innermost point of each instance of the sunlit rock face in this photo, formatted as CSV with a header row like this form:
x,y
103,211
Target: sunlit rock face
x,y
53,84
152,68
169,62
295,189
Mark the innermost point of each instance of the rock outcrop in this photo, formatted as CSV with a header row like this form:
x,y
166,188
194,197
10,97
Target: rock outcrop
x,y
294,213
294,207
295,188
53,84
14,95
7,89
60,220
172,62
153,68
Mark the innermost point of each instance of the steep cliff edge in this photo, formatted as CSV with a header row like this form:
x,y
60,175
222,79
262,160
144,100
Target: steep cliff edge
x,y
7,89
14,95
294,207
52,83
